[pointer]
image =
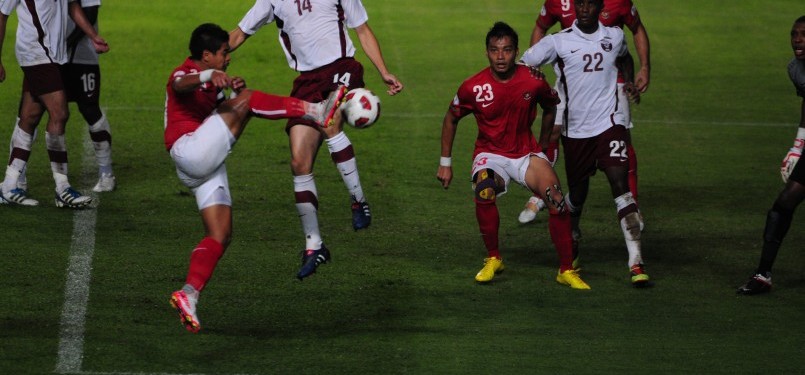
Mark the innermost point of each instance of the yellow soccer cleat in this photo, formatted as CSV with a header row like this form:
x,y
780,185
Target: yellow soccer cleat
x,y
576,264
492,266
639,277
571,277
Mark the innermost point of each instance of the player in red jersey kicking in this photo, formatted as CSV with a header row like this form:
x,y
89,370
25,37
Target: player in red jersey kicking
x,y
201,127
504,98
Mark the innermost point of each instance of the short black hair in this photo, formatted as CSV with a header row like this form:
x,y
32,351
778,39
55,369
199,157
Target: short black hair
x,y
502,29
207,37
800,20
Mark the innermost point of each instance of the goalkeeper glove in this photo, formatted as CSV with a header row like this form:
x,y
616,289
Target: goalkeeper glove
x,y
790,160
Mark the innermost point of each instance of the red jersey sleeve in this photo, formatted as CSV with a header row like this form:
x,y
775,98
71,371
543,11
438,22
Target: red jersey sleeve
x,y
462,103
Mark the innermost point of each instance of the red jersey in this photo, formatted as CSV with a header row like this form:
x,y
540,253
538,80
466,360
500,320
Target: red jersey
x,y
618,13
504,111
184,112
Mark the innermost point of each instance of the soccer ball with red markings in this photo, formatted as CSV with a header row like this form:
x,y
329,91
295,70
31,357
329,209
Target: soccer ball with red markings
x,y
362,108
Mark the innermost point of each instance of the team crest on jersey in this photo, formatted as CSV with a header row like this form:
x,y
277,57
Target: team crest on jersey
x,y
606,45
605,15
527,96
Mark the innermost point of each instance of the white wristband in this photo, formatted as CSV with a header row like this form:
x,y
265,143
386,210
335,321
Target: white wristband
x,y
205,76
445,161
799,141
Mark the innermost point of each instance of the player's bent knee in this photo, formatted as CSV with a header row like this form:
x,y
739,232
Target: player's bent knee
x,y
486,188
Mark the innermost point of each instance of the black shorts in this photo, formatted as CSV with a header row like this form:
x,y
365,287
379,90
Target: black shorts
x,y
315,85
798,174
583,156
82,83
42,79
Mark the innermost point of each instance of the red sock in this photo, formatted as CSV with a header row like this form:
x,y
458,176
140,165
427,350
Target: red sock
x,y
632,170
552,152
203,261
488,222
275,107
559,227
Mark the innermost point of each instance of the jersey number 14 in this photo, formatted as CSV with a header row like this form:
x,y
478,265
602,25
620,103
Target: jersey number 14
x,y
303,5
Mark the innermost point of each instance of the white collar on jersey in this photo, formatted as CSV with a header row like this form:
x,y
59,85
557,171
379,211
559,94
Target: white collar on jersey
x,y
597,35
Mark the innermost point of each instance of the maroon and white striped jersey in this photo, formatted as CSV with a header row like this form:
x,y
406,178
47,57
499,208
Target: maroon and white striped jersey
x,y
41,30
313,33
586,63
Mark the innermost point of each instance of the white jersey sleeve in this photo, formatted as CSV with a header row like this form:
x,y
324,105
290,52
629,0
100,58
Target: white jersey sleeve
x,y
544,52
312,33
7,6
261,13
355,13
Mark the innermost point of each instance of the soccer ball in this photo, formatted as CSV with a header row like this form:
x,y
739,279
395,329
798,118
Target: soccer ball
x,y
362,108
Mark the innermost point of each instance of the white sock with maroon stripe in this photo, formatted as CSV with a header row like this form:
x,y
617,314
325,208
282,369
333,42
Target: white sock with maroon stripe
x,y
344,158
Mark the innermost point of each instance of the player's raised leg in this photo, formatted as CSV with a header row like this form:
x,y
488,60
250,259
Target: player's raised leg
x,y
343,155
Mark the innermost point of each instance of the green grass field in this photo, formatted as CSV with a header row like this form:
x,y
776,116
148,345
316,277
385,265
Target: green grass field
x,y
399,298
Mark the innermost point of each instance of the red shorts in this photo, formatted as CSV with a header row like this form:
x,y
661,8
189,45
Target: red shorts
x,y
583,156
42,79
82,83
315,85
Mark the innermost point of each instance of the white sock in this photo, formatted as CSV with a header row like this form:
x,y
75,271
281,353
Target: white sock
x,y
101,135
341,149
308,211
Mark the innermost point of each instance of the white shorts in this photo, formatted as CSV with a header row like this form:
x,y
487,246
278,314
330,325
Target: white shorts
x,y
507,168
199,159
623,107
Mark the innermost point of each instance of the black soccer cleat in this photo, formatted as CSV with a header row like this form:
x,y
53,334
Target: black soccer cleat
x,y
361,216
757,284
311,260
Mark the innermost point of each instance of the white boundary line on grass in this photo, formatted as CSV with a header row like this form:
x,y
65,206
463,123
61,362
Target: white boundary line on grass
x,y
79,269
79,274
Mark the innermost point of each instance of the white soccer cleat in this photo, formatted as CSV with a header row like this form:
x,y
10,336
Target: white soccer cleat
x,y
18,197
71,198
105,183
186,307
530,210
331,105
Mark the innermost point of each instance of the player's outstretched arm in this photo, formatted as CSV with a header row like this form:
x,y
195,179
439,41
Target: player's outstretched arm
x,y
190,82
236,38
372,49
449,126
